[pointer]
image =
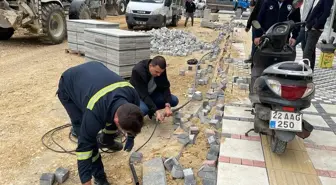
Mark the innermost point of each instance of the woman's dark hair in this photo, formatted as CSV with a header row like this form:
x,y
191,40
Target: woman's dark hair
x,y
160,61
130,118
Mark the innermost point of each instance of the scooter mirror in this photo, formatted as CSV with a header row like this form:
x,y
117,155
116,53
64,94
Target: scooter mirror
x,y
256,24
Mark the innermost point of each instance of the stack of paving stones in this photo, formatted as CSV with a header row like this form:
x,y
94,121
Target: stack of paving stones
x,y
199,13
61,175
75,31
118,49
209,20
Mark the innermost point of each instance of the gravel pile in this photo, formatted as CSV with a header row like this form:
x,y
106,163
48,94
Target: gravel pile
x,y
176,42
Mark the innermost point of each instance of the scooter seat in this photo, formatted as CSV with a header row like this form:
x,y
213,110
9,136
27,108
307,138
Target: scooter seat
x,y
292,67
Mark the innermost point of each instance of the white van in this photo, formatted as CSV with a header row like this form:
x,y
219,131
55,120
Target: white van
x,y
153,13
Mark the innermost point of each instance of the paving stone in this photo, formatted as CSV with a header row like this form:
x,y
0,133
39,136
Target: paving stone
x,y
325,138
214,123
170,162
243,149
327,180
194,130
189,178
237,127
205,104
198,96
209,182
177,172
331,109
154,172
310,109
233,173
61,174
214,149
212,140
212,103
233,111
219,115
212,163
184,138
209,132
136,157
322,159
182,72
192,138
47,179
315,120
220,107
207,172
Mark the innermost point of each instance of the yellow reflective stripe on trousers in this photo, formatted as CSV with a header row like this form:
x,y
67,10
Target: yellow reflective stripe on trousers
x,y
104,91
94,159
109,131
83,155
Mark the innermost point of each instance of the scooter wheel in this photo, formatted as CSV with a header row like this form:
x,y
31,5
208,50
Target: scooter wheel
x,y
278,146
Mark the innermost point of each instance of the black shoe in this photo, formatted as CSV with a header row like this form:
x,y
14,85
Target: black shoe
x,y
73,133
247,61
102,181
108,141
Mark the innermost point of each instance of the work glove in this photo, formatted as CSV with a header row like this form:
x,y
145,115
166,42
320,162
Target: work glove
x,y
129,143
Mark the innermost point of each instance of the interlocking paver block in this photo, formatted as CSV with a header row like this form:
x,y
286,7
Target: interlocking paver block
x,y
154,172
61,174
189,178
207,172
170,162
136,157
194,130
212,163
177,172
47,179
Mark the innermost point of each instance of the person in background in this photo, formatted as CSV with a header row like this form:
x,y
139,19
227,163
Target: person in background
x,y
190,9
256,4
319,11
149,78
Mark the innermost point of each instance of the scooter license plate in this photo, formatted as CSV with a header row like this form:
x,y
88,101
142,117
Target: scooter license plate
x,y
287,121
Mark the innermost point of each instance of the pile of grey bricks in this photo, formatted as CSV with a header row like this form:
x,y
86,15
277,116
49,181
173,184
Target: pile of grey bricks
x,y
118,49
75,31
60,176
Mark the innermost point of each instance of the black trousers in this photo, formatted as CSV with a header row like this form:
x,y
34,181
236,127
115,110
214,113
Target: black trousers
x,y
309,52
76,115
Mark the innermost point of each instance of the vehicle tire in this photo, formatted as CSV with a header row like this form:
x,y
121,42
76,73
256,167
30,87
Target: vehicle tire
x,y
121,7
214,11
164,23
278,146
174,21
79,10
53,23
6,33
130,27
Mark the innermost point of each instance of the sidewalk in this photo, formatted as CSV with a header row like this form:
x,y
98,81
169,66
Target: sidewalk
x,y
248,160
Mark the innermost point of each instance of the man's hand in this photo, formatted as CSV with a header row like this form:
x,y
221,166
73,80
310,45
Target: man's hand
x,y
292,42
168,112
257,41
247,29
159,116
88,183
129,143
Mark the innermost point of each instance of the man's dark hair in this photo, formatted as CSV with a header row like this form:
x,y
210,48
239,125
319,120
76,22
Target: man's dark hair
x,y
160,61
130,118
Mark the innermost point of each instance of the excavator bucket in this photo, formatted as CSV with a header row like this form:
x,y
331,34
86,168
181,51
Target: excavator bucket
x,y
10,19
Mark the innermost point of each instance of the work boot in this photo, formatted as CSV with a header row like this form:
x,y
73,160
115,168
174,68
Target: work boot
x,y
73,133
249,60
108,141
101,181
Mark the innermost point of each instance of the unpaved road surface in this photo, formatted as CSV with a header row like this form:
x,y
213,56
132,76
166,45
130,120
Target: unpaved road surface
x,y
29,74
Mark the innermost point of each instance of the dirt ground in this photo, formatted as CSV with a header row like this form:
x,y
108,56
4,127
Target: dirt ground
x,y
29,74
